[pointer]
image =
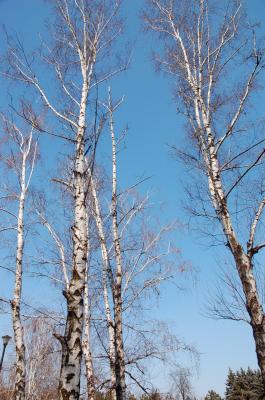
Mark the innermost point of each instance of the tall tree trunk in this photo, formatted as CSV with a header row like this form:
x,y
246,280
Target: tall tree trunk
x,y
19,393
120,357
106,276
255,310
69,385
87,344
243,261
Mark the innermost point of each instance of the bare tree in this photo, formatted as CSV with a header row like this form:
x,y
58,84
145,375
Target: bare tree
x,y
21,159
214,57
181,385
106,270
117,288
121,276
82,35
42,356
135,261
43,359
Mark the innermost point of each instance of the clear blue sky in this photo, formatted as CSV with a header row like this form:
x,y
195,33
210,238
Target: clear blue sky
x,y
154,124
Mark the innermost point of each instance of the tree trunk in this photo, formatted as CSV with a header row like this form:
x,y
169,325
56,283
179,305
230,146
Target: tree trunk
x,y
69,385
253,305
86,346
244,266
259,337
120,359
119,349
106,276
243,263
19,393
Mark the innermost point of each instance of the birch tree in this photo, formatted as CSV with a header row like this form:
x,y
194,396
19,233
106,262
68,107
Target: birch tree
x,y
133,263
64,261
82,35
215,59
106,270
117,284
22,157
88,357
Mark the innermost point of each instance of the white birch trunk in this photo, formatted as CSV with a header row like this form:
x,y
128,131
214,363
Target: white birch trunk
x,y
106,272
120,357
87,342
69,385
20,378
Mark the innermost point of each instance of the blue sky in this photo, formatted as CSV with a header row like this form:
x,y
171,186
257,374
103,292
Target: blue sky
x,y
153,125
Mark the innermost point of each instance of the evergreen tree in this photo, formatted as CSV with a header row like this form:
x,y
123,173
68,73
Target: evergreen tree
x,y
244,385
212,395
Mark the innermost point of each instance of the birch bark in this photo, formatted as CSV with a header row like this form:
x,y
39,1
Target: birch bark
x,y
87,340
69,386
20,379
25,144
106,277
119,347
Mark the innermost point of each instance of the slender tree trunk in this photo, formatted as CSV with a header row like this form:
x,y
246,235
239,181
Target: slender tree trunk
x,y
243,261
19,393
255,310
69,385
87,344
120,357
106,276
253,303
